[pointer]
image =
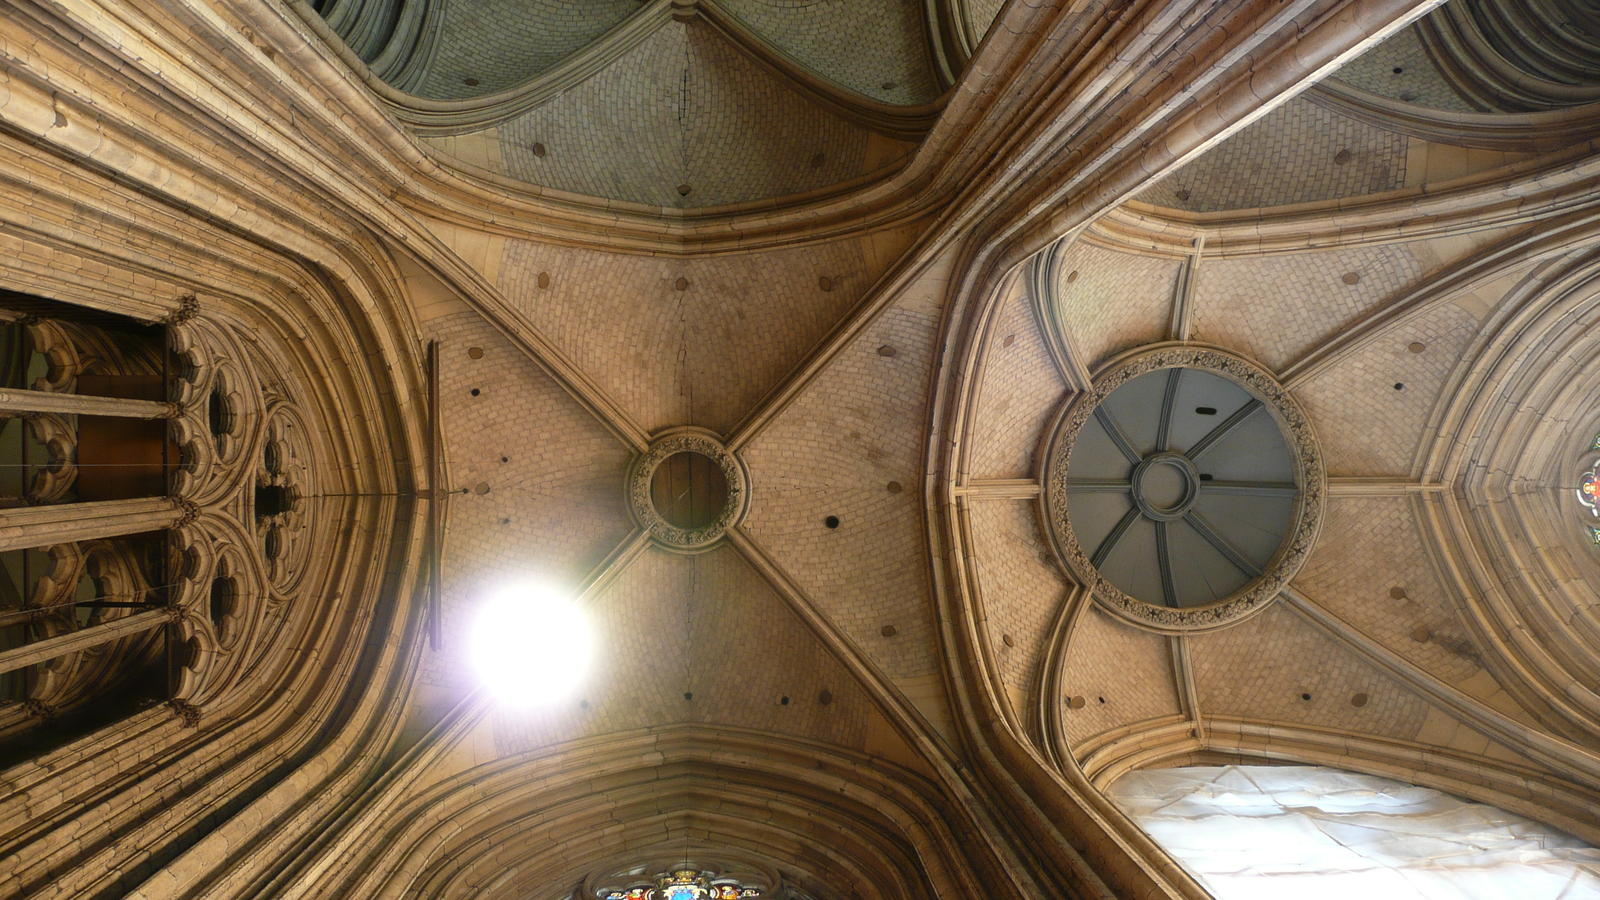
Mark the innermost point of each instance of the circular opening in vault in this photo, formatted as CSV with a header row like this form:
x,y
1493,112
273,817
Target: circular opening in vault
x,y
1181,488
689,490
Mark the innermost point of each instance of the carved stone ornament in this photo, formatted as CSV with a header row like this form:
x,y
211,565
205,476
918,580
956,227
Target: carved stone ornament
x,y
1305,519
186,712
640,474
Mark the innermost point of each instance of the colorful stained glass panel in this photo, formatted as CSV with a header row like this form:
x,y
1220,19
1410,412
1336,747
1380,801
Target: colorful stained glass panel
x,y
1589,490
685,885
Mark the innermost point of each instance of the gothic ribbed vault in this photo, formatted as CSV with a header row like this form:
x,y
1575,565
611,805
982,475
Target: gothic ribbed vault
x,y
426,288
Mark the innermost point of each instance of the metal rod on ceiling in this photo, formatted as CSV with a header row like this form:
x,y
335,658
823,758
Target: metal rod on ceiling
x,y
437,497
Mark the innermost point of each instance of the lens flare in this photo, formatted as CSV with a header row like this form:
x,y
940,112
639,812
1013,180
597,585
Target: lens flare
x,y
530,646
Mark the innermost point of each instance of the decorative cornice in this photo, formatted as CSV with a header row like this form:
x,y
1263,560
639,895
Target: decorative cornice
x,y
1555,185
1169,741
768,784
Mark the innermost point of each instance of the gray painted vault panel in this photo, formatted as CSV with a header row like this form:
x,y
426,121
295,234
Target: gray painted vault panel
x,y
1181,487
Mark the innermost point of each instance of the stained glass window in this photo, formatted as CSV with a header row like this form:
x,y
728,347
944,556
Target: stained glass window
x,y
686,884
1589,489
1589,492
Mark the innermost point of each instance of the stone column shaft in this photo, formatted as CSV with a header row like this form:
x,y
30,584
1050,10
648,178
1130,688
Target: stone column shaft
x,y
83,639
41,526
16,400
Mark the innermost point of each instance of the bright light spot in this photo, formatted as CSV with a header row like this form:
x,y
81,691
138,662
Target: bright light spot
x,y
530,645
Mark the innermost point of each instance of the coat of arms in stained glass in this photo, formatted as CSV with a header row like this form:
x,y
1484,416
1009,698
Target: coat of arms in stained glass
x,y
1589,490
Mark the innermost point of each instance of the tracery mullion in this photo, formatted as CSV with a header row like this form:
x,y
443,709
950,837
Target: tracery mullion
x,y
37,526
1205,444
20,400
82,639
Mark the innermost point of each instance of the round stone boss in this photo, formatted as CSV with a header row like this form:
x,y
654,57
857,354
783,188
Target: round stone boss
x,y
1186,488
692,528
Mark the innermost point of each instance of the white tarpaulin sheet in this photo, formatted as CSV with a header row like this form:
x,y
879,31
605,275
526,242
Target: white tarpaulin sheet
x,y
1310,833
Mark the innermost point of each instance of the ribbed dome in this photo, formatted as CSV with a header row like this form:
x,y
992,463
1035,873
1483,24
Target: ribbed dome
x,y
1180,487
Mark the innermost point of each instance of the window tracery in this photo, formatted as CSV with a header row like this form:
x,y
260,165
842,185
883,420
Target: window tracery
x,y
65,589
137,573
1589,493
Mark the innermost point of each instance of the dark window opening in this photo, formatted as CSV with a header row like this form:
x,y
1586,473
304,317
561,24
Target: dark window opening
x,y
223,597
48,345
129,672
217,413
273,500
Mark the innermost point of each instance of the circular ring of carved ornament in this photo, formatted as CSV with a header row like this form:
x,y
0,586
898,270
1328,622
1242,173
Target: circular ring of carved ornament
x,y
1304,512
641,478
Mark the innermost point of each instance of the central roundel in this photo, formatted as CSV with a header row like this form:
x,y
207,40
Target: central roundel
x,y
687,490
1186,487
1165,486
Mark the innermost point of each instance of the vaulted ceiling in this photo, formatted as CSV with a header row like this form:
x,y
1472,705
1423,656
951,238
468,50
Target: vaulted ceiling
x,y
877,251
